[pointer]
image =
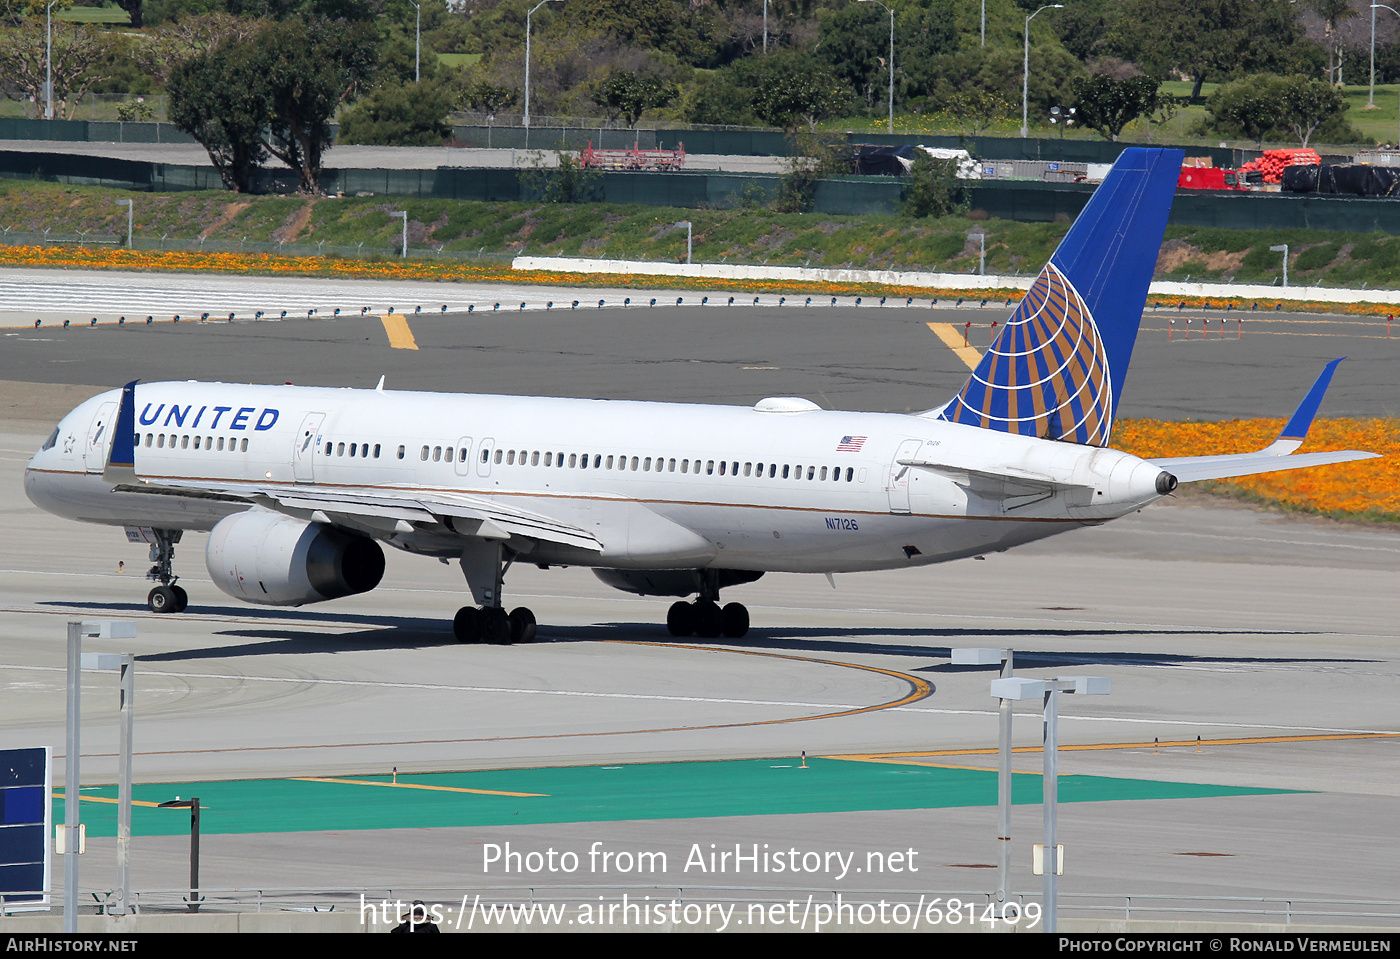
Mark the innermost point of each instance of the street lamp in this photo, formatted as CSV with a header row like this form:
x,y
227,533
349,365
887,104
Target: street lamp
x,y
1006,659
48,61
129,208
528,15
1026,67
765,27
417,37
1373,61
891,13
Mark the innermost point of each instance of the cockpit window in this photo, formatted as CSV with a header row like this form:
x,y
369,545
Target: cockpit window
x,y
49,443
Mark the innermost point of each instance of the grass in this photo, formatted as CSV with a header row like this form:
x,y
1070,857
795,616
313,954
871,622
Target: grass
x,y
619,231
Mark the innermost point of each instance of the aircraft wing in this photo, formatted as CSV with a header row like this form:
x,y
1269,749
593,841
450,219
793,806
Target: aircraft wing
x,y
1273,458
462,512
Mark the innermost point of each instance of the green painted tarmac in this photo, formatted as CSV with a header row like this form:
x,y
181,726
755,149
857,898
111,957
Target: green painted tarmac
x,y
761,787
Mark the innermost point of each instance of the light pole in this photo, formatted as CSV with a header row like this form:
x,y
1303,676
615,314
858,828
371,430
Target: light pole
x,y
1373,62
765,26
48,61
891,13
688,235
527,57
1049,690
402,214
1026,68
417,38
129,208
1282,248
1006,659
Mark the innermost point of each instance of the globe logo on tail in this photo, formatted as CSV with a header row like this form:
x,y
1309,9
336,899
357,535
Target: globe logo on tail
x,y
1046,375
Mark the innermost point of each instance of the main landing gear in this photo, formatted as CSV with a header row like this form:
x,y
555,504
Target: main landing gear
x,y
484,565
705,618
167,597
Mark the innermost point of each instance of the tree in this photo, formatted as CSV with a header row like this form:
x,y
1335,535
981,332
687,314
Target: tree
x,y
934,189
1108,105
307,69
488,97
272,93
1249,106
401,115
217,98
630,94
1333,12
161,50
1309,104
1209,38
976,110
79,53
793,89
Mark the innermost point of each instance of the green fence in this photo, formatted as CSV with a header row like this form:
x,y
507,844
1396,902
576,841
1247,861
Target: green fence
x,y
1019,200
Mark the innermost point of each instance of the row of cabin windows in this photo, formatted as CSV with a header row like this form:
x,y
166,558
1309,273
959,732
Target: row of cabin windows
x,y
439,454
215,443
354,449
661,464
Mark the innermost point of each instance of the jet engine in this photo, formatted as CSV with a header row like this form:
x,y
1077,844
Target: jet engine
x,y
274,560
670,582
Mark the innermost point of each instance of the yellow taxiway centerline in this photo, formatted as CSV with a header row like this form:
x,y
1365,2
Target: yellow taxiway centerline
x,y
953,339
400,336
913,758
446,789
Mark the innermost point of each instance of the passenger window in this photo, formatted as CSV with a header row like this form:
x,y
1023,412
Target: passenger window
x,y
671,465
245,446
401,452
685,465
710,468
823,472
340,449
423,454
722,465
850,472
376,451
735,470
437,454
185,442
221,443
549,458
785,471
646,465
448,454
500,455
810,471
610,462
149,438
510,457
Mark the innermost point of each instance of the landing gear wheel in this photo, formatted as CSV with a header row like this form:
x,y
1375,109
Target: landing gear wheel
x,y
182,599
680,620
735,617
163,599
466,625
495,626
709,621
522,625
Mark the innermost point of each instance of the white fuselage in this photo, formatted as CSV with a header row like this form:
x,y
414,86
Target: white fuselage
x,y
659,485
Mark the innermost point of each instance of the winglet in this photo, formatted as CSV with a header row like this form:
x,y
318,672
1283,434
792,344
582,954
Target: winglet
x,y
1297,428
121,456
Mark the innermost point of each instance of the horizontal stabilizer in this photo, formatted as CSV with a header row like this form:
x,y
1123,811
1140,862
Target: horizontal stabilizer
x,y
1275,457
1193,469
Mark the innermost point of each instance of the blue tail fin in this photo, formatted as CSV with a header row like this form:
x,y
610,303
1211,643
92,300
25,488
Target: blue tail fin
x,y
1057,369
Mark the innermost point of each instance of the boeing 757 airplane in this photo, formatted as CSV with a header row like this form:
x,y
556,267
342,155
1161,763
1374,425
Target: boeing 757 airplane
x,y
300,487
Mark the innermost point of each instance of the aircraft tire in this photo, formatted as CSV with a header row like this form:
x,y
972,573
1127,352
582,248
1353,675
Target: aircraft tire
x,y
522,625
466,625
680,620
736,620
709,621
162,599
182,599
495,626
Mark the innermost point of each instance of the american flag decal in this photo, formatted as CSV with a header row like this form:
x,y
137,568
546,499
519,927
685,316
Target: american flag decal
x,y
850,444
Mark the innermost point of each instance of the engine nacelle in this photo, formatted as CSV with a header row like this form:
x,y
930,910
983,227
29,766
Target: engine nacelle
x,y
275,560
670,582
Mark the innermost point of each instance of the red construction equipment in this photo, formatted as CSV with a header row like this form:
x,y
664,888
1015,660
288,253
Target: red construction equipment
x,y
633,159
